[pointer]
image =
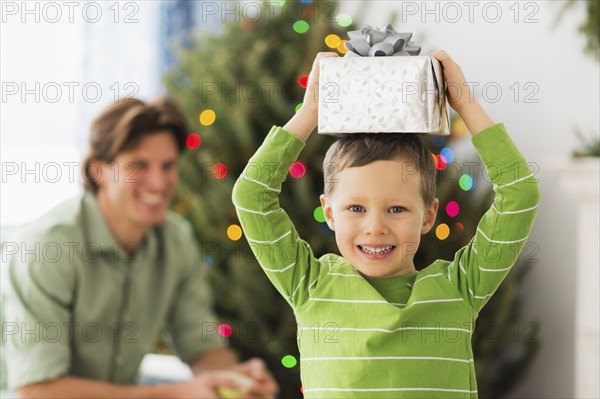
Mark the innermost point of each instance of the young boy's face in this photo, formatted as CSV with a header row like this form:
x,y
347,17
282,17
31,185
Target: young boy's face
x,y
378,215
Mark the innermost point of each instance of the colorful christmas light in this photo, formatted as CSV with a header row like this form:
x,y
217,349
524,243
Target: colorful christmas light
x,y
344,20
442,231
303,80
234,232
452,208
466,182
448,154
207,117
440,162
219,170
297,170
193,141
319,215
438,141
289,361
224,330
332,40
300,26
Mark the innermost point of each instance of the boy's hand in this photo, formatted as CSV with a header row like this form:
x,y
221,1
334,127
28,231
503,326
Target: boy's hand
x,y
459,95
305,120
458,89
311,97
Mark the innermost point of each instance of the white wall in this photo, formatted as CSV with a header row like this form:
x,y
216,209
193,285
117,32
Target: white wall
x,y
551,57
80,63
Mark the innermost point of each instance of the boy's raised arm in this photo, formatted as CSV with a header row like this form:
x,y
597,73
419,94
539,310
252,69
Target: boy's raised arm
x,y
478,268
304,121
287,260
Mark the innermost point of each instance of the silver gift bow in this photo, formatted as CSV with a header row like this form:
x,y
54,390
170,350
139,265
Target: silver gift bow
x,y
370,42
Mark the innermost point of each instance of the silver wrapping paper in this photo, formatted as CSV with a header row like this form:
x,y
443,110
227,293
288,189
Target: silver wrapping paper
x,y
382,95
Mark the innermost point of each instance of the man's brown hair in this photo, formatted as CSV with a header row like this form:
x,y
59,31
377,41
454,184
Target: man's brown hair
x,y
123,124
361,149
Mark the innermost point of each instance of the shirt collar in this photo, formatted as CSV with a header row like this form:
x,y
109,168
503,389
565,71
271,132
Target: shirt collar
x,y
98,233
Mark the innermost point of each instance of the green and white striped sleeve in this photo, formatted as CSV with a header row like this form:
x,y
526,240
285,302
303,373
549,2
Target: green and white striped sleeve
x,y
287,260
480,267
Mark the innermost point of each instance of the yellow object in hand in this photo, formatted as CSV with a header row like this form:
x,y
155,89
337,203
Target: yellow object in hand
x,y
244,382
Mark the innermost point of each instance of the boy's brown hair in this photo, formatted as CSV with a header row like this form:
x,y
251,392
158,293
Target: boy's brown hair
x,y
361,149
123,124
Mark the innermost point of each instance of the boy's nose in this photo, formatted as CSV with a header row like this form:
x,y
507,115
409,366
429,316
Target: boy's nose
x,y
376,226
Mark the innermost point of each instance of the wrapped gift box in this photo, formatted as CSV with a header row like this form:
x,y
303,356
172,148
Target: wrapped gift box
x,y
382,95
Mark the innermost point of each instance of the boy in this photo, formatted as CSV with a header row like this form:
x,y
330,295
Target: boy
x,y
369,324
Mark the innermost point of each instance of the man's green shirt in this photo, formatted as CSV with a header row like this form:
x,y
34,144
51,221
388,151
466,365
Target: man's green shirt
x,y
75,303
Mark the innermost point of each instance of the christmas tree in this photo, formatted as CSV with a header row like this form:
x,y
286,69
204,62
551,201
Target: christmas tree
x,y
235,86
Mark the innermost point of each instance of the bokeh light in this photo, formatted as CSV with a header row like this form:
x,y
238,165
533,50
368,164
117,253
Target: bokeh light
x,y
466,182
224,330
219,170
207,117
274,346
332,40
442,231
303,80
300,26
440,162
193,141
459,226
458,128
319,215
438,141
297,170
234,232
289,361
298,106
448,154
452,208
342,48
344,20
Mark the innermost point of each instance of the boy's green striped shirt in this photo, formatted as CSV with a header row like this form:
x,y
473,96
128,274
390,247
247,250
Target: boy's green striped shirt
x,y
401,337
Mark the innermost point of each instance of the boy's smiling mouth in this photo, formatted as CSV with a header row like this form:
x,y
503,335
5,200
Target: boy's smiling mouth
x,y
376,251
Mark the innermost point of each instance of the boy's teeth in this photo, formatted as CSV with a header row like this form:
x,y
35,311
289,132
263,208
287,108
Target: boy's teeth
x,y
380,250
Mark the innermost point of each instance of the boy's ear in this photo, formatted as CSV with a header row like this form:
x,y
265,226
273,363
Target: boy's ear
x,y
429,217
328,212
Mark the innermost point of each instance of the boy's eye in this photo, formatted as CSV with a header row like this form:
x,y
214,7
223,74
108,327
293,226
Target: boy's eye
x,y
397,209
356,208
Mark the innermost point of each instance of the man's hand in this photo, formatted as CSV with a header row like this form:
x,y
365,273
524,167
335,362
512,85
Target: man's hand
x,y
255,368
204,386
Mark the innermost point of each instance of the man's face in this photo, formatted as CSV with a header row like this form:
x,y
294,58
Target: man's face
x,y
139,185
378,214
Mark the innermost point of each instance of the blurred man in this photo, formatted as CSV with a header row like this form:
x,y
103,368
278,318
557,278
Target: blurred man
x,y
96,280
